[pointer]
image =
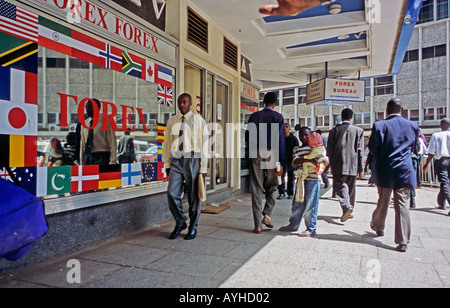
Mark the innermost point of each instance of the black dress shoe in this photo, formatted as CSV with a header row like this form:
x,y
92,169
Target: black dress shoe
x,y
177,231
191,234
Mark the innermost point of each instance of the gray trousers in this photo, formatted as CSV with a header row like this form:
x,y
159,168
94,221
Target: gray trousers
x,y
262,182
184,172
344,187
401,207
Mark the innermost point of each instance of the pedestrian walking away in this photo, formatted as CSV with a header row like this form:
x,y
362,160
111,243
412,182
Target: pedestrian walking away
x,y
346,153
266,140
392,141
439,150
185,159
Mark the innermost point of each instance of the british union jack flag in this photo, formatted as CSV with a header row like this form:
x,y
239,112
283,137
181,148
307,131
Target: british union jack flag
x,y
165,96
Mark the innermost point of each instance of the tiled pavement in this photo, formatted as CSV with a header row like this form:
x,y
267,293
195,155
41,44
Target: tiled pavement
x,y
227,254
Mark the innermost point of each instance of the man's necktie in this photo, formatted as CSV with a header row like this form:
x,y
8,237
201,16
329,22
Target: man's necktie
x,y
181,135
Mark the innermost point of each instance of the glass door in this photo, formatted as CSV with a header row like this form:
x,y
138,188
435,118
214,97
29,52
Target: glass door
x,y
221,174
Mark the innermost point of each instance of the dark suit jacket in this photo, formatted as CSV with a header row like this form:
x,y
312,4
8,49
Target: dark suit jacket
x,y
392,142
270,120
346,149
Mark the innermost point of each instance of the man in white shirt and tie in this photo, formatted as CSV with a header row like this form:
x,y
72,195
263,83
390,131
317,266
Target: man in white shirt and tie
x,y
185,159
439,149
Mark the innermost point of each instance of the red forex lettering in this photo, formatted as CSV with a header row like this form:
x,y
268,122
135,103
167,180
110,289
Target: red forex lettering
x,y
110,111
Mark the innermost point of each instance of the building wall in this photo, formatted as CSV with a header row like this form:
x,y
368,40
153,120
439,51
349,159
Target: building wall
x,y
421,84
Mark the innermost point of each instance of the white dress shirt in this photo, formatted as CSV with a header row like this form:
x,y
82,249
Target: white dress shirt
x,y
440,144
195,138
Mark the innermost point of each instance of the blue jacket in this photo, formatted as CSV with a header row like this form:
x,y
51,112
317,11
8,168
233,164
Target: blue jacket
x,y
392,142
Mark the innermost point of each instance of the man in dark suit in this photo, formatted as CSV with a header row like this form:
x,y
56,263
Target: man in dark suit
x,y
392,142
345,150
266,140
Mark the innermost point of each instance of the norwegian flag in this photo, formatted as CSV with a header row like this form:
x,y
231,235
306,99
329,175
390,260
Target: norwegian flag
x,y
165,96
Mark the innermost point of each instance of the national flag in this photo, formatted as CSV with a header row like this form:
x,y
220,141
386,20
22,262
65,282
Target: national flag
x,y
84,178
18,151
150,71
110,176
163,76
55,36
28,178
59,180
162,175
18,102
18,53
113,57
149,172
132,65
165,96
4,174
88,48
18,22
131,174
160,140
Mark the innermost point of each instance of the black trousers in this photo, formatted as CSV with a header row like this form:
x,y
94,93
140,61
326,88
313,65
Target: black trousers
x,y
442,170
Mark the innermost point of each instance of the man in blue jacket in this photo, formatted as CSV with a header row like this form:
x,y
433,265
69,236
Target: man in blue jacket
x,y
392,141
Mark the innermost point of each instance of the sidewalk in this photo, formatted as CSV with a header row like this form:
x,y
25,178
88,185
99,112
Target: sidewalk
x,y
227,254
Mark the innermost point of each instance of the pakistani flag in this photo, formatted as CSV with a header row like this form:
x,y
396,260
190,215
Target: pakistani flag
x,y
53,180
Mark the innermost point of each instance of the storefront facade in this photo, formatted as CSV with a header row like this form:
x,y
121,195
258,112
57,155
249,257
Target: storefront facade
x,y
56,59
135,65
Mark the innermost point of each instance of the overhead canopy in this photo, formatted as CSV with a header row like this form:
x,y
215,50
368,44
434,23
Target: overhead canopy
x,y
367,38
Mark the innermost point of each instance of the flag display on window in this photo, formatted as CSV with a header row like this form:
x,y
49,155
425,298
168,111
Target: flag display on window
x,y
109,176
18,22
165,96
131,174
149,172
84,178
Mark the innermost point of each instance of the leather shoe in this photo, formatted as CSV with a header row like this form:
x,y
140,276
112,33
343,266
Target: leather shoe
x,y
177,231
257,230
267,222
401,248
191,234
377,231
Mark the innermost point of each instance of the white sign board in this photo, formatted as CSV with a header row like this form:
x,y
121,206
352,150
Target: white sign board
x,y
337,90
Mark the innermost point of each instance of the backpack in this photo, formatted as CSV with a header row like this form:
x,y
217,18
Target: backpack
x,y
22,219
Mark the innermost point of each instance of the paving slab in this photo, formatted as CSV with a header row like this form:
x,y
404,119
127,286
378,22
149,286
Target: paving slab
x,y
226,253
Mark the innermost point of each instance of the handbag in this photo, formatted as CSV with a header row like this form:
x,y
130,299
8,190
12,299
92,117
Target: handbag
x,y
22,219
201,188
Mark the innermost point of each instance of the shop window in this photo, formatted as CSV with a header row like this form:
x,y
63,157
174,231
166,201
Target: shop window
x,y
127,103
